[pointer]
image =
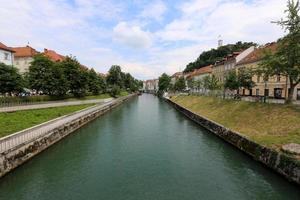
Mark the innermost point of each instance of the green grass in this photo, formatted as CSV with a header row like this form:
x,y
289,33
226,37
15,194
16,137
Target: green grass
x,y
42,98
271,125
20,120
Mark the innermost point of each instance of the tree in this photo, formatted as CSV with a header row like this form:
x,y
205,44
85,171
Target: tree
x,y
191,83
210,83
76,75
10,79
245,78
179,84
231,81
115,76
40,75
286,60
115,91
164,83
96,83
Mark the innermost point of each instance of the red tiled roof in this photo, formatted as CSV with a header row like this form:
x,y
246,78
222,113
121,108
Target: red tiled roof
x,y
4,47
202,70
177,74
258,54
24,51
53,55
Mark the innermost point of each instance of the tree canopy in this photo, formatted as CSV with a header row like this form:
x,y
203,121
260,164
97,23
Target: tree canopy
x,y
10,79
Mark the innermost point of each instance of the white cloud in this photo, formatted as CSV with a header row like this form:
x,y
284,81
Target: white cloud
x,y
131,36
154,10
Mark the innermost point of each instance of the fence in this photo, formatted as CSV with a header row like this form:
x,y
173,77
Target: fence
x,y
26,136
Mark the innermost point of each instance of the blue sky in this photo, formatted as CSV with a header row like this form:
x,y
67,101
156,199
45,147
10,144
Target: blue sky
x,y
146,38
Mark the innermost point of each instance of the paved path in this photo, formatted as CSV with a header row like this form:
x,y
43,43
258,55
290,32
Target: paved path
x,y
53,104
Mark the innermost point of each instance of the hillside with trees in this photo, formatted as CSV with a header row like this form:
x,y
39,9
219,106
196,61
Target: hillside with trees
x,y
213,55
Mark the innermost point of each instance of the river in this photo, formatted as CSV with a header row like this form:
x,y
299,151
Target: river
x,y
144,149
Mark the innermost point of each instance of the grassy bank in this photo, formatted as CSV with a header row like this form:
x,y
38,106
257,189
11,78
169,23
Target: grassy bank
x,y
268,124
17,121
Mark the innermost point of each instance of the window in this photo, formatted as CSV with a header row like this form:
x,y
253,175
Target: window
x,y
278,93
298,94
6,56
257,92
278,78
258,79
266,92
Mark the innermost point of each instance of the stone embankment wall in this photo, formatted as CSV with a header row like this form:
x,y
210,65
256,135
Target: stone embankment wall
x,y
14,157
280,162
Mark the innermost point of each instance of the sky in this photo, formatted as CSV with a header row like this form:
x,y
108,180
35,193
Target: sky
x,y
144,37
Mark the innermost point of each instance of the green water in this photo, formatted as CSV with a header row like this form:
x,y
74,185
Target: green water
x,y
144,150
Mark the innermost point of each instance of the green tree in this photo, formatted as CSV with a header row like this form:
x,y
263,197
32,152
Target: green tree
x,y
96,83
210,83
191,83
115,91
115,76
76,75
164,83
10,79
179,84
231,81
245,78
40,74
286,60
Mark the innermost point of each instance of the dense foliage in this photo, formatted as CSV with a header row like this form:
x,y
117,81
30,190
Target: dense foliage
x,y
67,77
210,57
242,79
10,80
164,83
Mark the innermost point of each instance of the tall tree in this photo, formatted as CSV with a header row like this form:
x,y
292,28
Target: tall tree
x,y
245,78
40,74
179,84
76,76
10,79
96,83
210,83
286,60
164,83
115,76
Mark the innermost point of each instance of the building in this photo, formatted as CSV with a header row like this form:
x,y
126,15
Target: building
x,y
6,55
222,67
23,57
273,87
150,86
199,75
176,76
52,55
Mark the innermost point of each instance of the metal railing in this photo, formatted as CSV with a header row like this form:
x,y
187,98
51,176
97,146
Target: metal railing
x,y
15,140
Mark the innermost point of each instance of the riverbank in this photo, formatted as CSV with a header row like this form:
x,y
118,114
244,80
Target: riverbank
x,y
271,125
17,148
13,122
207,110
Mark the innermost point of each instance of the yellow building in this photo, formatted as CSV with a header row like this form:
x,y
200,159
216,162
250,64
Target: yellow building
x,y
274,87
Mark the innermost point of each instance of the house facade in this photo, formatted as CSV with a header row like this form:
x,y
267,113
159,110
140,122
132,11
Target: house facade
x,y
6,55
23,57
175,77
151,86
273,87
198,75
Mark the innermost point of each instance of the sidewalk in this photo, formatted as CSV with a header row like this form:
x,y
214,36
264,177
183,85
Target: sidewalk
x,y
52,105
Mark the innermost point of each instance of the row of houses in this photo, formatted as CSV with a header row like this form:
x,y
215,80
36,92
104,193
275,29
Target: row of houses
x,y
276,87
21,57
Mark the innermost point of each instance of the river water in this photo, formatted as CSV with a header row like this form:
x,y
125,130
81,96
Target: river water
x,y
144,149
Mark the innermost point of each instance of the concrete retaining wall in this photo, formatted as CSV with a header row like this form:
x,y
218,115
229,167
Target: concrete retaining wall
x,y
13,158
280,162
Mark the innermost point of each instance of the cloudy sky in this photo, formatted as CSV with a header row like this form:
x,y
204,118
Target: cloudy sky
x,y
145,37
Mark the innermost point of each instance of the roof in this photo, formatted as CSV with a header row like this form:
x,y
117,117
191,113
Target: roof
x,y
258,53
177,74
53,55
202,70
24,51
6,48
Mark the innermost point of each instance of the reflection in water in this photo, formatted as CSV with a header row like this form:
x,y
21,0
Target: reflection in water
x,y
144,149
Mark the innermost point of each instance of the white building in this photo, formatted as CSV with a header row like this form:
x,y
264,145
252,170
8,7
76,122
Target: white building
x,y
23,57
6,55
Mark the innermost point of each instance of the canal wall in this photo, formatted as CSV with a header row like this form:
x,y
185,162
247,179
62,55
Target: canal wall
x,y
17,148
279,162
